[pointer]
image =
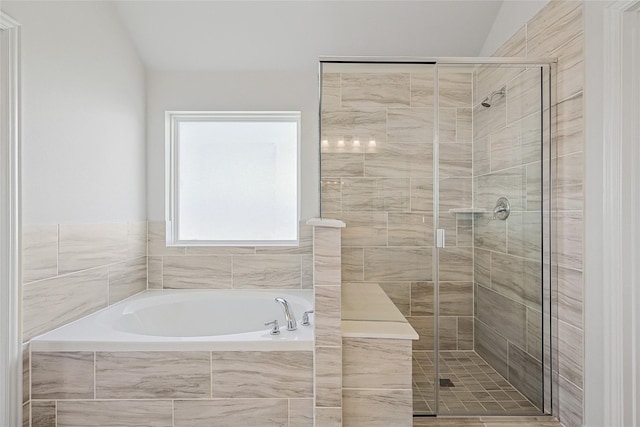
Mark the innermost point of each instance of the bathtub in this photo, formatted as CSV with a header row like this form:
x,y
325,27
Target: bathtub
x,y
187,320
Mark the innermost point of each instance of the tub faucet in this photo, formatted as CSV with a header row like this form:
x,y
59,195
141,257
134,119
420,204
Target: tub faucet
x,y
292,324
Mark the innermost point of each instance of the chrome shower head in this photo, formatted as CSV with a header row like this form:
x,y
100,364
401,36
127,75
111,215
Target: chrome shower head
x,y
488,100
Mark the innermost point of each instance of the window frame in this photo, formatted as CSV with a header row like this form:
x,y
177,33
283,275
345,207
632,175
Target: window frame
x,y
172,123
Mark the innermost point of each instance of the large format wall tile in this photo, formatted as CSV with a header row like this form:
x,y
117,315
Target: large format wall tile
x,y
376,363
328,376
560,21
331,88
375,194
364,228
157,241
397,160
125,413
410,125
328,417
158,374
62,375
231,413
422,87
39,252
517,278
300,412
197,272
255,374
377,408
326,256
409,229
83,246
455,88
43,413
456,298
505,316
375,89
50,303
328,329
127,278
524,374
412,264
266,271
370,123
136,239
492,347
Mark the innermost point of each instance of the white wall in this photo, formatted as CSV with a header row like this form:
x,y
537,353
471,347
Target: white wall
x,y
513,14
83,144
232,91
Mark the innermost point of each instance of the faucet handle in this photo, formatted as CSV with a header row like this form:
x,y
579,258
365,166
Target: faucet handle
x,y
276,328
305,318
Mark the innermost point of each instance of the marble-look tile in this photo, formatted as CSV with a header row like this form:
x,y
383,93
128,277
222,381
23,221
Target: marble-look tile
x,y
524,231
331,194
570,401
157,241
422,303
422,87
328,417
136,239
127,278
421,194
307,271
399,160
364,228
558,23
423,325
377,408
376,363
448,333
455,193
509,183
456,298
570,353
569,132
491,78
410,229
492,347
375,194
231,413
43,413
568,184
517,278
456,264
397,264
154,272
326,256
534,187
300,412
39,252
455,88
196,272
328,319
220,250
328,376
84,246
488,120
153,375
331,90
50,303
376,89
524,374
62,375
534,333
515,46
508,149
124,413
456,152
447,126
464,230
342,164
482,267
256,374
400,294
481,156
464,125
570,296
352,264
505,316
410,125
570,69
465,333
569,239
490,234
523,95
26,415
266,271
371,123
26,372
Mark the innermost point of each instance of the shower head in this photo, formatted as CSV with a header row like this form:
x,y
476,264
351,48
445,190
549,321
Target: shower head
x,y
489,99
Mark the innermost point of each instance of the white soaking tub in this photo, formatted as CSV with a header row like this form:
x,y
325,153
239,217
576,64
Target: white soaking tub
x,y
187,320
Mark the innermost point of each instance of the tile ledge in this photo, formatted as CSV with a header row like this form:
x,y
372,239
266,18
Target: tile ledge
x,y
369,329
326,222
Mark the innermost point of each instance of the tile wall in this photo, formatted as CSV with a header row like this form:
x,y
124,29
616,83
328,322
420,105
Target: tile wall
x,y
229,267
377,176
558,31
172,389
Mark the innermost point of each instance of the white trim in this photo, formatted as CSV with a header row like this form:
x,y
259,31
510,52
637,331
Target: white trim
x,y
10,278
620,215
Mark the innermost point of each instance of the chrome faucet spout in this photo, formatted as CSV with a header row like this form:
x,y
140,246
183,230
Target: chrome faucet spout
x,y
292,324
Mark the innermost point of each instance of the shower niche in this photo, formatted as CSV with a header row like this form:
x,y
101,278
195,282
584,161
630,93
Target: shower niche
x,y
414,151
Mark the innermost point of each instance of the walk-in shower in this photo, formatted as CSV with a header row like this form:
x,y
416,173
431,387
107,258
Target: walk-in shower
x,y
454,148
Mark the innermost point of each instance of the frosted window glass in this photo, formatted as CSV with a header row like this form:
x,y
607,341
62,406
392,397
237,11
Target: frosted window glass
x,y
237,181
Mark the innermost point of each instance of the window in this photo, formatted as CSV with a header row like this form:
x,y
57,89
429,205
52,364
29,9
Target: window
x,y
232,178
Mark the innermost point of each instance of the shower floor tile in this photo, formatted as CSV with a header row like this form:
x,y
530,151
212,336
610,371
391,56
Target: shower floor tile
x,y
478,389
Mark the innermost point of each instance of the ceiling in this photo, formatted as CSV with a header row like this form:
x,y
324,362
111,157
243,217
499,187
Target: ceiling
x,y
245,35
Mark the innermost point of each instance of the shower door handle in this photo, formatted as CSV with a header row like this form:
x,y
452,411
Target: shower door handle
x,y
440,238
